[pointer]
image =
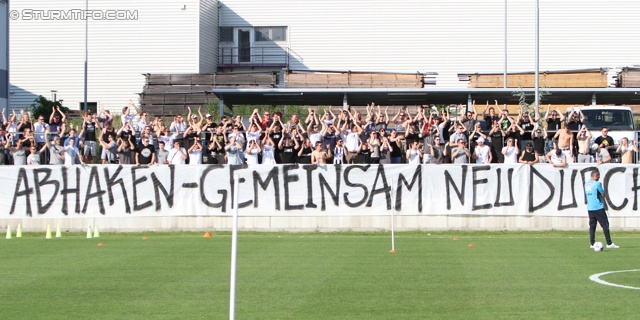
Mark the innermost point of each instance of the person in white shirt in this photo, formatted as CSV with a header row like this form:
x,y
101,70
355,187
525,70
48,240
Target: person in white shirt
x,y
254,133
72,153
352,141
177,155
178,124
143,121
315,135
195,152
511,151
414,154
482,152
557,158
127,116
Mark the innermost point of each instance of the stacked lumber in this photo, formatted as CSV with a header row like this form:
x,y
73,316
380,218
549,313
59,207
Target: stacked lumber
x,y
169,94
353,80
587,79
629,78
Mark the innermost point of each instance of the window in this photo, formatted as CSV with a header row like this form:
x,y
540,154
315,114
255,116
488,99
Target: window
x,y
271,33
226,34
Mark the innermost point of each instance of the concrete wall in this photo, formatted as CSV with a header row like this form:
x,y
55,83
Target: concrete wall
x,y
296,224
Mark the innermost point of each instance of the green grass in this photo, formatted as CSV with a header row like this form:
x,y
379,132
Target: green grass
x,y
506,275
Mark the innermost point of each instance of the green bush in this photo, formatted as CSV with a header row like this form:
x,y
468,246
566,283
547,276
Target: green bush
x,y
42,106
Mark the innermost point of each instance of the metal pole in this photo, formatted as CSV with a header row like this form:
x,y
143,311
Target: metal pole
x,y
221,108
234,250
505,50
393,209
86,52
8,108
537,57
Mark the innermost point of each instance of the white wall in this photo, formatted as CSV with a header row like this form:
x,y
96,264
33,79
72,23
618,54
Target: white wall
x,y
48,55
208,36
449,37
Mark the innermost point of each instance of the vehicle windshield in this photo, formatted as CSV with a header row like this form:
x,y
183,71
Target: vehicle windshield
x,y
612,119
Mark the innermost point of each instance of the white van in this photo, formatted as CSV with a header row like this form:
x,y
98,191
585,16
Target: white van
x,y
618,119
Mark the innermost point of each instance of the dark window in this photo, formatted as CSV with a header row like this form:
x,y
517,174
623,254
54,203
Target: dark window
x,y
226,34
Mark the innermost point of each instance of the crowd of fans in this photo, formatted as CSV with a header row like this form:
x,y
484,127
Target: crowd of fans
x,y
425,136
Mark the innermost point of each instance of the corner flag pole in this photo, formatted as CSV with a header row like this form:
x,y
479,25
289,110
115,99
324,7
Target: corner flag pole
x,y
393,209
234,250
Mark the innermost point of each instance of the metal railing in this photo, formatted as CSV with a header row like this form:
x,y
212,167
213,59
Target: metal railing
x,y
253,56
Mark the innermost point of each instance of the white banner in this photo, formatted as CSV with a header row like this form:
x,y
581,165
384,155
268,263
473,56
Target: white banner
x,y
309,190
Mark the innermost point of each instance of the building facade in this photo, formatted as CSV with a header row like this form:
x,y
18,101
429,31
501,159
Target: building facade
x,y
126,39
4,55
205,36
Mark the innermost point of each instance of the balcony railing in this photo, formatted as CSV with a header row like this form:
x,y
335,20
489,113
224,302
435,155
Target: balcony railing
x,y
253,57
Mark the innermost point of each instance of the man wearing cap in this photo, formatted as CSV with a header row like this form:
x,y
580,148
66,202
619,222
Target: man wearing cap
x,y
482,152
529,155
208,127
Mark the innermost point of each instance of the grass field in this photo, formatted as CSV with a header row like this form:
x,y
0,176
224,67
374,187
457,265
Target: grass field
x,y
506,275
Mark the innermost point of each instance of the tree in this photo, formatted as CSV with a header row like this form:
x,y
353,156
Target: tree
x,y
42,106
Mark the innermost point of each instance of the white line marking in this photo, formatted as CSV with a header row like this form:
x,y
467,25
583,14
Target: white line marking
x,y
596,278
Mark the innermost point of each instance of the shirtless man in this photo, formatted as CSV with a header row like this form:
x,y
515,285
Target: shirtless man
x,y
564,140
319,155
584,143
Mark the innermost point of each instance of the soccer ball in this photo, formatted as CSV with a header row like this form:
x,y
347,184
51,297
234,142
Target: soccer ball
x,y
598,246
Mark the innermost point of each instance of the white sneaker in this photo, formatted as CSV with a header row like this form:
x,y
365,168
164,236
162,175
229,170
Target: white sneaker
x,y
591,247
612,246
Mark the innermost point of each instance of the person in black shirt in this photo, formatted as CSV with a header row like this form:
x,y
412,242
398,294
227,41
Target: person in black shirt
x,y
126,133
539,143
496,136
514,132
275,133
304,155
364,153
575,120
145,153
554,123
288,148
410,136
527,124
492,116
604,140
88,134
529,155
214,148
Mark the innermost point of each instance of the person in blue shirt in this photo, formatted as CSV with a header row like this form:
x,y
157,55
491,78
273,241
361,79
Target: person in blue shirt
x,y
595,195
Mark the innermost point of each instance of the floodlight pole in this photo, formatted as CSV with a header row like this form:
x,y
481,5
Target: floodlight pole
x,y
537,103
504,78
393,209
86,52
234,250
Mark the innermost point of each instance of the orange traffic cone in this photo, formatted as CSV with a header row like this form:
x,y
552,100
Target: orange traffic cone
x,y
207,235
